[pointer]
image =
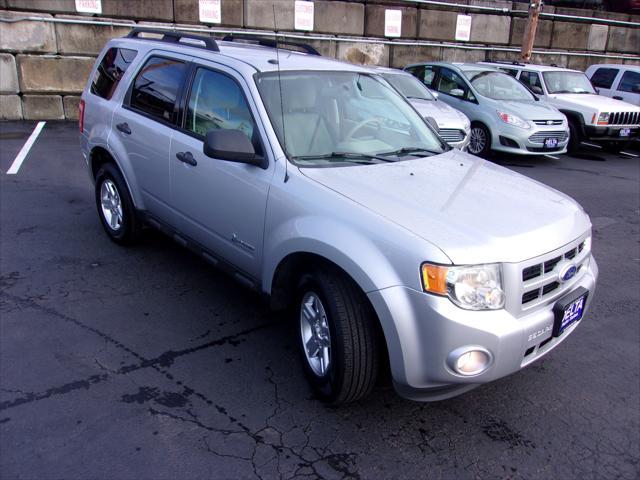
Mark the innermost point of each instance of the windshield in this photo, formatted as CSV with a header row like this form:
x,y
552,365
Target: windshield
x,y
498,85
348,118
409,86
567,82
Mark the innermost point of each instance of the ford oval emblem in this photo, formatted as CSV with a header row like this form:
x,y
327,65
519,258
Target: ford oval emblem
x,y
568,272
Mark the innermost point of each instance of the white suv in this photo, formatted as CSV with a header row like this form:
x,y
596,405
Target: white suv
x,y
592,117
621,82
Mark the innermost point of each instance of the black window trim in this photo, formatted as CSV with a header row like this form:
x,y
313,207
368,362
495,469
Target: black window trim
x,y
126,104
184,102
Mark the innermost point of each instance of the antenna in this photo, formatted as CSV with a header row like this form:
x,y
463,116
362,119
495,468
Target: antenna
x,y
284,136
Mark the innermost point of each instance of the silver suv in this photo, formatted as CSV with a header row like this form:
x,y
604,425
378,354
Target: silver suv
x,y
382,243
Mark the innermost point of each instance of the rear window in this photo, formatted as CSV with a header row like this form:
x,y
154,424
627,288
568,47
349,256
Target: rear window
x,y
156,87
111,70
604,77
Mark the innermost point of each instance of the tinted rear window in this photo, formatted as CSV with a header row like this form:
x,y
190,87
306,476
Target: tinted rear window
x,y
111,70
156,87
604,77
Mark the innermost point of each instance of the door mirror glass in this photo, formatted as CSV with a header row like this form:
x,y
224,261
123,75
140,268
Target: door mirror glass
x,y
456,92
231,145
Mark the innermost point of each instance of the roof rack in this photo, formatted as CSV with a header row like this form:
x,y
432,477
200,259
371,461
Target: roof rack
x,y
170,36
270,42
506,62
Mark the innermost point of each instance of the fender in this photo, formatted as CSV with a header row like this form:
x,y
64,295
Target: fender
x,y
575,117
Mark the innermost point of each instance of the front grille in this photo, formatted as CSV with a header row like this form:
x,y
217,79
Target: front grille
x,y
547,122
542,278
539,137
624,118
452,135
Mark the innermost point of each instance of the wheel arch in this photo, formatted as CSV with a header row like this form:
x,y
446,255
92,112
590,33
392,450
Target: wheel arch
x,y
99,155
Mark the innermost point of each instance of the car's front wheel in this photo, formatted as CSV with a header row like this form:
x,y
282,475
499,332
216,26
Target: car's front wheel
x,y
337,336
480,140
115,207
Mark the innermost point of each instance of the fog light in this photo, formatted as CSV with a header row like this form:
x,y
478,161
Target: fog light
x,y
469,361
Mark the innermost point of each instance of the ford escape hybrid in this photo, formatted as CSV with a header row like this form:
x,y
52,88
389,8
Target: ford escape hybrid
x,y
382,242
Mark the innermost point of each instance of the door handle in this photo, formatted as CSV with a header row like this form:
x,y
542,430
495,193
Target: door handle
x,y
186,157
124,128
617,97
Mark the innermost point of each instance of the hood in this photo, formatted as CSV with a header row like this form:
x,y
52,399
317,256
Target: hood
x,y
530,110
443,114
473,210
594,102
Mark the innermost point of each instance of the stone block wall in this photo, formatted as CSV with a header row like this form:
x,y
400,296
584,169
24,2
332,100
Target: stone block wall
x,y
44,66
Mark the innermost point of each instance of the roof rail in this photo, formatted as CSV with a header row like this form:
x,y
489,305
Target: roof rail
x,y
507,62
171,36
270,42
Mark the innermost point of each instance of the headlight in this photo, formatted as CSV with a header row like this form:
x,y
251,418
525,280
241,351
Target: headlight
x,y
603,118
472,287
513,120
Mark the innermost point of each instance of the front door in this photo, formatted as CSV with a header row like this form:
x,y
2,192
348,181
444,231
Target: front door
x,y
220,204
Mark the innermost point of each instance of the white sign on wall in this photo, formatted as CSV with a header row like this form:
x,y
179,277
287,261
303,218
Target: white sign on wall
x,y
392,23
210,11
303,15
89,6
463,28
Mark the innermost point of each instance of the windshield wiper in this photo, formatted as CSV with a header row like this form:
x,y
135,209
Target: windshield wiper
x,y
411,150
351,156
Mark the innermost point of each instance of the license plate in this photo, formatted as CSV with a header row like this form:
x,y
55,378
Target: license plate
x,y
550,142
569,310
625,132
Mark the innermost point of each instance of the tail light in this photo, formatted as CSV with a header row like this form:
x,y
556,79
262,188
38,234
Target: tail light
x,y
81,116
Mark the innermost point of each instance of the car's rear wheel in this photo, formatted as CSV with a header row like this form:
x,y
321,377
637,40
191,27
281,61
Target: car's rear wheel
x,y
480,140
337,336
115,207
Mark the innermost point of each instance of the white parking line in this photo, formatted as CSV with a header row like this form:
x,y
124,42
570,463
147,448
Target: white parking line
x,y
551,156
15,166
591,145
630,154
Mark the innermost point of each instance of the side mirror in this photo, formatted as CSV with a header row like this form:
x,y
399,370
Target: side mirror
x,y
456,92
231,145
536,89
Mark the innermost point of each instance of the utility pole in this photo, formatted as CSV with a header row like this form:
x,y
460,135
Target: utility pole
x,y
530,31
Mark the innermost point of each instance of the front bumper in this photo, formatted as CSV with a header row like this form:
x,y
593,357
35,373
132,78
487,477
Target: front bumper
x,y
610,133
510,139
422,329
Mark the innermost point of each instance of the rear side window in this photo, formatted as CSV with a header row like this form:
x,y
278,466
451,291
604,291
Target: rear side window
x,y
111,70
156,87
604,77
630,82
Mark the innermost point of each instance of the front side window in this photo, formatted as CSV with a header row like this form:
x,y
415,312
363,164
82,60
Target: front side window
x,y
498,85
424,73
532,80
452,84
326,118
217,102
111,70
604,77
156,87
630,82
408,86
567,82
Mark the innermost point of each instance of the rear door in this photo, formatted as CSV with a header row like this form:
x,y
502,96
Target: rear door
x,y
144,123
220,204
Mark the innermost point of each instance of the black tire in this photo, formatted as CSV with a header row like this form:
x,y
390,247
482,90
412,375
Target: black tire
x,y
574,138
354,351
485,150
128,230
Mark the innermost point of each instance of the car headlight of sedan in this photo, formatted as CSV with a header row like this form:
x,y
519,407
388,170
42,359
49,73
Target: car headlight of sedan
x,y
472,287
513,120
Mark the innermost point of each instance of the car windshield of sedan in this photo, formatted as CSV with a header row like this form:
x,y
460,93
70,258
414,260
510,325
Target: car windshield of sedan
x,y
409,86
567,82
498,85
325,118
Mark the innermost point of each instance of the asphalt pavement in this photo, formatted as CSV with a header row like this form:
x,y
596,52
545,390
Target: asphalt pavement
x,y
146,363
